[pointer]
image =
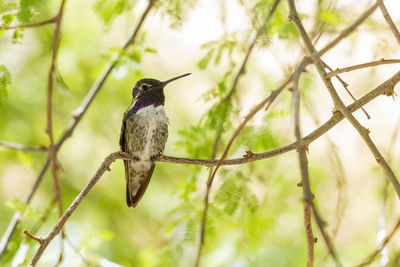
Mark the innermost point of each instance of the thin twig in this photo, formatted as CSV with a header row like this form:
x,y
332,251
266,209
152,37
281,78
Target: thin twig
x,y
305,181
308,196
361,66
345,86
31,236
385,241
33,25
76,118
340,175
389,20
339,105
15,146
206,202
49,128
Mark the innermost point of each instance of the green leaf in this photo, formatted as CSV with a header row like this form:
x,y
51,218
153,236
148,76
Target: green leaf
x,y
16,205
206,59
150,50
12,247
177,10
5,80
7,7
18,34
108,10
229,195
7,19
191,231
329,16
249,198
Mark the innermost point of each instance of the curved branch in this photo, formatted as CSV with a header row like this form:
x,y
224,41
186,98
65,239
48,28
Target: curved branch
x,y
361,66
44,242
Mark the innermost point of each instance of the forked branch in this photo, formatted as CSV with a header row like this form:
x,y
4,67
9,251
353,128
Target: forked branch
x,y
339,105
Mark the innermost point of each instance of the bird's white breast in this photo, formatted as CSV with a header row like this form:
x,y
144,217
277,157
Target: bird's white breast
x,y
152,117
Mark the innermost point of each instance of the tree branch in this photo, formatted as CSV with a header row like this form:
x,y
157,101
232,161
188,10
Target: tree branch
x,y
33,25
339,105
389,20
305,181
345,86
361,66
44,242
49,128
76,118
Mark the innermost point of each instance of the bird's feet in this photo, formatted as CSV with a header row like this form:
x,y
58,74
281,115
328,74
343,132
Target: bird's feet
x,y
157,156
127,156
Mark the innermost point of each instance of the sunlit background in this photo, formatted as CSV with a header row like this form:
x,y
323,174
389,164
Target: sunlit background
x,y
164,229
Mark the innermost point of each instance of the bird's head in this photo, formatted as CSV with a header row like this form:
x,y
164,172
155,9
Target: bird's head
x,y
150,92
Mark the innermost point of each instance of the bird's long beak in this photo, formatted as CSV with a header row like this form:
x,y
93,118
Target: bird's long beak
x,y
164,83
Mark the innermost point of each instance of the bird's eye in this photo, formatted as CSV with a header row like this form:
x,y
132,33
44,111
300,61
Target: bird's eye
x,y
145,87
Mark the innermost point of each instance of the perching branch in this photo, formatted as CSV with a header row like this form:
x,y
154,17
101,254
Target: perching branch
x,y
76,118
339,105
361,66
15,146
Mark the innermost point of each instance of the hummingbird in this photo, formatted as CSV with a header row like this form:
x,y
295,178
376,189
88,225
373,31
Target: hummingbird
x,y
144,133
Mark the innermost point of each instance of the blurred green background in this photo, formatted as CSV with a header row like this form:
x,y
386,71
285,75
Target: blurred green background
x,y
256,212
